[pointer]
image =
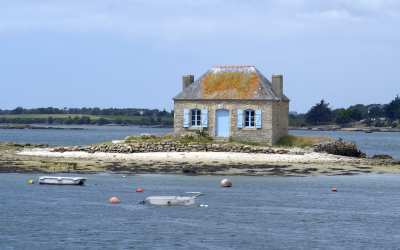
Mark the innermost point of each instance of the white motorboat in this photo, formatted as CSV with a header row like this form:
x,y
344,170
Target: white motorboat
x,y
173,200
52,180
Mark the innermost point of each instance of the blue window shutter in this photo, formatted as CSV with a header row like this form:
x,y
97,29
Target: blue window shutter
x,y
258,118
186,118
205,118
240,118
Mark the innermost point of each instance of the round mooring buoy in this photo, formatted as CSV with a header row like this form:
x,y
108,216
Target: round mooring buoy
x,y
334,189
226,183
139,190
124,176
113,200
31,182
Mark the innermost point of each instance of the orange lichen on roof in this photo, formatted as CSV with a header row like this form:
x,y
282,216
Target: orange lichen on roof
x,y
230,85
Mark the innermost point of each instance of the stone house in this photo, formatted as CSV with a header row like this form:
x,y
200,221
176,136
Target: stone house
x,y
233,101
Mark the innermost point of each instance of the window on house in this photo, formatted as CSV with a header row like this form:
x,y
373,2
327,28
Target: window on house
x,y
249,119
196,117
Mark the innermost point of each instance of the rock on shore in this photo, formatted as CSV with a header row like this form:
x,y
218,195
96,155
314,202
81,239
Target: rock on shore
x,y
336,148
170,146
340,148
21,145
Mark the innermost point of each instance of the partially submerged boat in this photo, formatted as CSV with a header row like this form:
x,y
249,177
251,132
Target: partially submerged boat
x,y
52,180
173,200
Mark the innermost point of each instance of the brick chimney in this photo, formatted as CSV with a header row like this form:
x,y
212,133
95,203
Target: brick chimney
x,y
186,81
277,85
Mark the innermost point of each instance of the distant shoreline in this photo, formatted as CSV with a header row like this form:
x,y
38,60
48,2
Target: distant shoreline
x,y
51,126
345,130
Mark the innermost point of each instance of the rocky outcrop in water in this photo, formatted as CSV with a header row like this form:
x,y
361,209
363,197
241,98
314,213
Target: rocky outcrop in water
x,y
22,145
340,148
382,157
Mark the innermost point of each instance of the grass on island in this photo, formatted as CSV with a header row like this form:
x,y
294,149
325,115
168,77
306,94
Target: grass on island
x,y
301,141
103,143
6,148
201,138
288,141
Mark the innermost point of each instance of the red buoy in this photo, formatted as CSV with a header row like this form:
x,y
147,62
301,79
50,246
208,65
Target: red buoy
x,y
139,190
113,200
226,183
334,190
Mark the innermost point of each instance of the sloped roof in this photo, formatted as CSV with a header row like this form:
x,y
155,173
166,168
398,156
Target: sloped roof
x,y
230,82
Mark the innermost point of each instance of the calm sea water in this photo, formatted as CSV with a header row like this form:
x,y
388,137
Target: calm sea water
x,y
88,136
371,144
256,213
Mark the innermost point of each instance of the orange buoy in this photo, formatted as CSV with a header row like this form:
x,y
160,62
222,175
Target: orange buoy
x,y
31,182
334,190
139,190
113,200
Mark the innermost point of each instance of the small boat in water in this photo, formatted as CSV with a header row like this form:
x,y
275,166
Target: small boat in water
x,y
52,180
173,200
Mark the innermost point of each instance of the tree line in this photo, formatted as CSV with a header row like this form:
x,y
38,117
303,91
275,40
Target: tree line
x,y
89,111
371,115
150,120
149,116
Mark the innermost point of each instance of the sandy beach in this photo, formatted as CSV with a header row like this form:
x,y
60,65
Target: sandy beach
x,y
294,163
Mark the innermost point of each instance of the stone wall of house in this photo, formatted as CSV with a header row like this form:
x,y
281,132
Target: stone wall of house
x,y
280,120
265,134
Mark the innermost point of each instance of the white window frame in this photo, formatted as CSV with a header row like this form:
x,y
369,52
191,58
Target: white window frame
x,y
249,118
196,122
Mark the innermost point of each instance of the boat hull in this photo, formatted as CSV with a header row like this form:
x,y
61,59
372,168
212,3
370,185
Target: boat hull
x,y
50,180
171,200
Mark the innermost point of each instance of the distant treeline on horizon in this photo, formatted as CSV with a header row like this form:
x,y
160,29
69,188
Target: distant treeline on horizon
x,y
89,111
150,120
377,115
124,116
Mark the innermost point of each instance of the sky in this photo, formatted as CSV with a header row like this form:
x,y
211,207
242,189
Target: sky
x,y
133,53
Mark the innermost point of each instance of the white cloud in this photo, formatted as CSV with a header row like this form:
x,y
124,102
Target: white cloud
x,y
175,20
331,15
370,5
137,18
395,15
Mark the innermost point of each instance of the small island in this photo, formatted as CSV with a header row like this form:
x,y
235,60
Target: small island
x,y
197,155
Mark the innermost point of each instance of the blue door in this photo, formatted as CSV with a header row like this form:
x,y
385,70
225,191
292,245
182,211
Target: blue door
x,y
222,122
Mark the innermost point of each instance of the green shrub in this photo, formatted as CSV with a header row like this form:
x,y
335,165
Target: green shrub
x,y
198,136
202,135
147,136
300,141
